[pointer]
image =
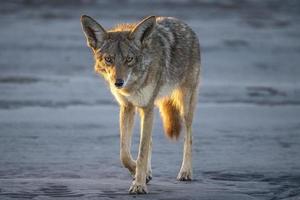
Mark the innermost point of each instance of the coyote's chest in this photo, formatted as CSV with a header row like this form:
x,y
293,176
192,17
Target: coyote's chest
x,y
144,95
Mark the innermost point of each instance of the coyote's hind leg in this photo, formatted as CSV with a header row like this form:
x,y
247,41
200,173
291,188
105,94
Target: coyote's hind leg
x,y
187,106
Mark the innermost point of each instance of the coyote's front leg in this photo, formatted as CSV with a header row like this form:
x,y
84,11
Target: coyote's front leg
x,y
139,184
126,124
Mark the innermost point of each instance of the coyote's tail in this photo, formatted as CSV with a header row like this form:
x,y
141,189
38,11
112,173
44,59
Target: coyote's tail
x,y
171,119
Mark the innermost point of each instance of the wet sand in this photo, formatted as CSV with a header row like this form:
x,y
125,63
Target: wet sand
x,y
59,123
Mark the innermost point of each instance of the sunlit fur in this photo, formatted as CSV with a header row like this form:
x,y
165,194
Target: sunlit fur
x,y
171,117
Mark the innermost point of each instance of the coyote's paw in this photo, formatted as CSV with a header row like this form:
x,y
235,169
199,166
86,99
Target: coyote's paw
x,y
138,188
149,176
185,175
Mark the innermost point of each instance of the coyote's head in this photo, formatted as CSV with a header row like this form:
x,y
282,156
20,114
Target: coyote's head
x,y
121,54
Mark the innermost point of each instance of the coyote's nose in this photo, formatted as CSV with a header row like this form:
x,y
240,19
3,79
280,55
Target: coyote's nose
x,y
119,83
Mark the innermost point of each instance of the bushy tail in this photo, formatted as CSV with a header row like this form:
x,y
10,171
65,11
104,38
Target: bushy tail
x,y
171,119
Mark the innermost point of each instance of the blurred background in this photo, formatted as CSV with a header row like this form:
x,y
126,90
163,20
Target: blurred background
x,y
59,133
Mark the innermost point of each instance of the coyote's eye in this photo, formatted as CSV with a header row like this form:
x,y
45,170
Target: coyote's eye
x,y
129,59
108,59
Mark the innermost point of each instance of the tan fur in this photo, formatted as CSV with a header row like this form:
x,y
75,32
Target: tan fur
x,y
171,118
126,125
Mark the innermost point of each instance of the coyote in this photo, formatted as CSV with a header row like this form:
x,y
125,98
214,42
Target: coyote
x,y
155,62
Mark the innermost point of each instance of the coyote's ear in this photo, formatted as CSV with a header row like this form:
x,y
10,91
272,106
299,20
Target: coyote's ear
x,y
143,29
93,31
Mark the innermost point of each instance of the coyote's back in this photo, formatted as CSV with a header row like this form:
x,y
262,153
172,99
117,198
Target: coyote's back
x,y
181,48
